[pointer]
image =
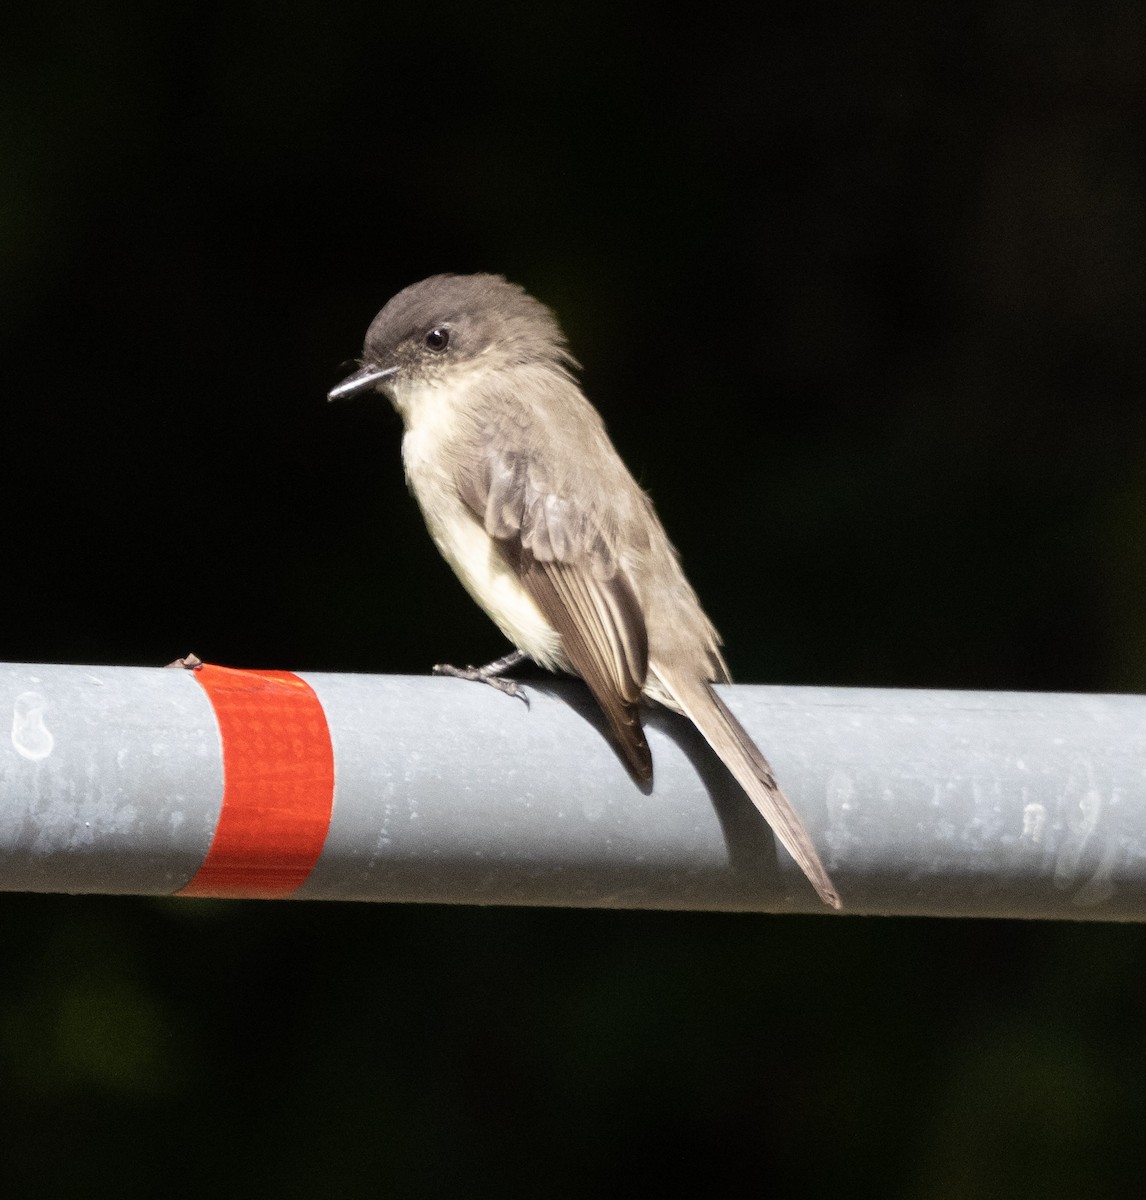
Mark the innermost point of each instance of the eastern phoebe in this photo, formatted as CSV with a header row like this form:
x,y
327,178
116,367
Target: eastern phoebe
x,y
527,499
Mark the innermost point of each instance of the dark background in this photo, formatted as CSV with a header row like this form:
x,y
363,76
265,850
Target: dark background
x,y
859,291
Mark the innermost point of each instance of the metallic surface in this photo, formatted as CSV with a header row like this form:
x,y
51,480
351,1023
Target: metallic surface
x,y
944,803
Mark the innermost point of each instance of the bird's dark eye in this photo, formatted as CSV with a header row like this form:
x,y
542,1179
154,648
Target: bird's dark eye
x,y
438,339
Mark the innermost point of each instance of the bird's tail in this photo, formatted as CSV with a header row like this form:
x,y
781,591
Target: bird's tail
x,y
739,753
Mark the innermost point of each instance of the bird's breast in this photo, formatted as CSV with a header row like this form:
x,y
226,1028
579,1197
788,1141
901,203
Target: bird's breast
x,y
470,551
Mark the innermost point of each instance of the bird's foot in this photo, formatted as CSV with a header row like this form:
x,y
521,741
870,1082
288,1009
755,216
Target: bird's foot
x,y
491,674
192,662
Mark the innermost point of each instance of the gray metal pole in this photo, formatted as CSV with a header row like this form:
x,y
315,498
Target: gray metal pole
x,y
934,803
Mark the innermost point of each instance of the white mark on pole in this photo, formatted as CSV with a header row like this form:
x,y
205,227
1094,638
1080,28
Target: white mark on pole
x,y
1034,822
1100,886
1080,808
30,736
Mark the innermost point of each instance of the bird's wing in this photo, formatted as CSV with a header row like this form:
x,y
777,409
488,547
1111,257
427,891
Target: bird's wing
x,y
559,552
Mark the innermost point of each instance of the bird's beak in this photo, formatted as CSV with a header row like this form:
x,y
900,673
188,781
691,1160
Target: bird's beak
x,y
365,379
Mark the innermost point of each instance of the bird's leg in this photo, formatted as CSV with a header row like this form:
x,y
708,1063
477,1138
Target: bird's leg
x,y
491,674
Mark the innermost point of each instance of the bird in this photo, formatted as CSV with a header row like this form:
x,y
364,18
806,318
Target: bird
x,y
529,502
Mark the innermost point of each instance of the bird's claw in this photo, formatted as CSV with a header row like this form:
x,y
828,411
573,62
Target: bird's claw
x,y
509,687
191,662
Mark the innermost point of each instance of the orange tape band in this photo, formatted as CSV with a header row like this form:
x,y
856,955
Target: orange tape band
x,y
278,784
